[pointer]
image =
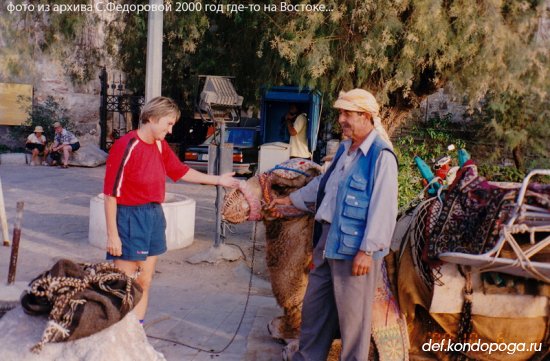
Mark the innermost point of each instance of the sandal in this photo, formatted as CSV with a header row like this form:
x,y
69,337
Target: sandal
x,y
64,166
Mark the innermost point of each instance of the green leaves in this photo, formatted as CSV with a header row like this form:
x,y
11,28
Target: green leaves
x,y
43,113
518,121
428,140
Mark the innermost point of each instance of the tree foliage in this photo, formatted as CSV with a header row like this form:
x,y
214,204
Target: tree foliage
x,y
25,36
405,49
198,43
44,114
402,50
182,32
520,123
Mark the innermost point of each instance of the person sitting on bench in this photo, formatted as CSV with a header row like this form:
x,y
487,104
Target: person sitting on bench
x,y
65,143
36,144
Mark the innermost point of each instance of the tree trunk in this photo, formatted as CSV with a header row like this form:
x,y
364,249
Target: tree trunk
x,y
518,157
393,118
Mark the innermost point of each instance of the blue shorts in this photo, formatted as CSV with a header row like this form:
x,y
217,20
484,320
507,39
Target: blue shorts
x,y
142,230
75,146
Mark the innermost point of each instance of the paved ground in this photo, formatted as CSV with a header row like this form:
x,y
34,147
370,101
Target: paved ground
x,y
195,308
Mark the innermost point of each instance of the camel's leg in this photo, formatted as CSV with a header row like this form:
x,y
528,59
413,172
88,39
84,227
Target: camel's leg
x,y
286,327
287,258
290,327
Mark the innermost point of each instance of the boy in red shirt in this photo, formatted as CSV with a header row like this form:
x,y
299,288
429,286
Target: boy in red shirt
x,y
134,188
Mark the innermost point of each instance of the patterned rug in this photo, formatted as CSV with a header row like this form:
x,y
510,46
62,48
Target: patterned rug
x,y
470,216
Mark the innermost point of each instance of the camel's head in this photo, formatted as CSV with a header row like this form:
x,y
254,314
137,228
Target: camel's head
x,y
245,203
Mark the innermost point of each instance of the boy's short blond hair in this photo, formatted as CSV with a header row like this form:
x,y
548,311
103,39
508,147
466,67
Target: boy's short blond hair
x,y
157,108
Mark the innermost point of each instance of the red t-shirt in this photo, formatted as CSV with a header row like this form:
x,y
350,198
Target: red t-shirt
x,y
136,171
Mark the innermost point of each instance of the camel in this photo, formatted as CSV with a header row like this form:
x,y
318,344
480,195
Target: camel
x,y
288,239
424,288
288,256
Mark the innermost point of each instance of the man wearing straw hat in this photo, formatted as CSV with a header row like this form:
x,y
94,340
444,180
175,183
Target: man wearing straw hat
x,y
356,210
36,143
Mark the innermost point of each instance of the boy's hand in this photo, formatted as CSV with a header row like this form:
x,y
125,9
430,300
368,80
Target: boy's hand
x,y
114,246
227,180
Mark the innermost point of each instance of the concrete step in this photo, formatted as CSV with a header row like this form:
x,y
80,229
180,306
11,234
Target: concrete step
x,y
13,158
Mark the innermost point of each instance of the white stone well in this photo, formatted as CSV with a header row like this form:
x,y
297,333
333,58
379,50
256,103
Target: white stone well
x,y
179,211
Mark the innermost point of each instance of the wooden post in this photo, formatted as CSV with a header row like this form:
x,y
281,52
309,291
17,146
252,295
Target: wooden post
x,y
15,245
3,218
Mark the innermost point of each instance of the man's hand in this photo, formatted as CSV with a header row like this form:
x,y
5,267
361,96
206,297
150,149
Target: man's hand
x,y
361,264
114,246
285,201
227,180
290,125
271,208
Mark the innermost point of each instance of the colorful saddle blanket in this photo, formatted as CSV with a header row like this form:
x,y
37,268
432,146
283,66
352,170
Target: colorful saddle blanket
x,y
471,216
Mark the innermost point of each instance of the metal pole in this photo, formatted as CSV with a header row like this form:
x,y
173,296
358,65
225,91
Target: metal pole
x,y
103,109
219,189
15,245
3,218
153,73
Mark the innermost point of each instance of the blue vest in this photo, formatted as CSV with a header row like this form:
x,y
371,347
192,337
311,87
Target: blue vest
x,y
352,204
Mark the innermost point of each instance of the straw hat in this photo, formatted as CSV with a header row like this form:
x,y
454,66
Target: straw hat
x,y
38,129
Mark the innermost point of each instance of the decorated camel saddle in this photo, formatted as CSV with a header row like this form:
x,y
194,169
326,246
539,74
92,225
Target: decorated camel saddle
x,y
502,227
514,236
474,265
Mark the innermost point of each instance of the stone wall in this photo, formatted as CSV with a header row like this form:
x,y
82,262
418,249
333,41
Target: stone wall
x,y
49,78
440,104
82,103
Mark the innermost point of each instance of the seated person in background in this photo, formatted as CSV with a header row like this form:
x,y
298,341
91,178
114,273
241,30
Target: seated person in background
x,y
283,130
36,143
297,128
65,143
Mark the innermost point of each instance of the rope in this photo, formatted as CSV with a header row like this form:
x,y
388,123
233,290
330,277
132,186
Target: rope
x,y
523,260
213,351
61,292
265,185
465,325
416,238
287,168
